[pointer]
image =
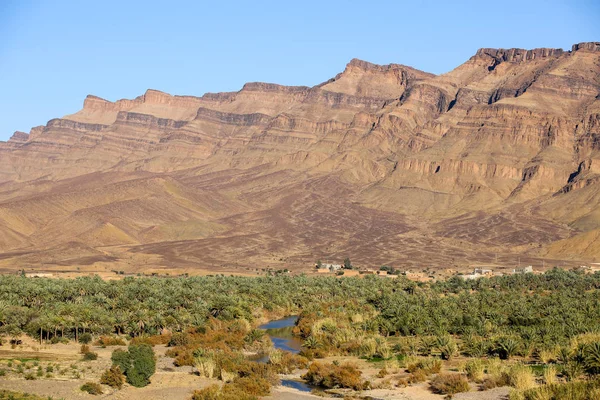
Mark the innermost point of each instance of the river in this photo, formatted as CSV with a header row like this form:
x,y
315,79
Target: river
x,y
280,332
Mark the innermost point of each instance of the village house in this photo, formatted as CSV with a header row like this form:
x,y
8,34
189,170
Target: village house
x,y
479,273
525,270
329,267
38,275
483,271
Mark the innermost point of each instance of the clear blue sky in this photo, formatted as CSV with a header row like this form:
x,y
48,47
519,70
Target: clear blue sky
x,y
54,53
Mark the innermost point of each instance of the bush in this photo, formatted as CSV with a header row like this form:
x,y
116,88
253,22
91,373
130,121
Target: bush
x,y
521,377
90,356
570,390
151,340
84,349
475,370
179,339
138,363
332,376
450,384
253,386
110,341
85,338
113,377
227,392
91,388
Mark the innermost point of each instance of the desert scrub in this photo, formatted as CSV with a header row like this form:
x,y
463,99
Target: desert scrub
x,y
29,377
549,375
332,376
113,377
10,395
585,390
475,370
91,388
90,356
520,377
449,384
105,341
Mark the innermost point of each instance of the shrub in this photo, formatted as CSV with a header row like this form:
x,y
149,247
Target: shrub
x,y
427,365
90,356
29,377
521,377
152,340
138,363
85,338
417,376
179,339
227,392
550,375
475,370
110,341
449,384
570,390
84,349
572,370
253,386
113,377
333,376
183,358
91,388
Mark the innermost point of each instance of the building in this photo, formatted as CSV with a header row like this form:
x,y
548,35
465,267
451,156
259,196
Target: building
x,y
351,272
482,271
38,275
478,273
325,267
525,270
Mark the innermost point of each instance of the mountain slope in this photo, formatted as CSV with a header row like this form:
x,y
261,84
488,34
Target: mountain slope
x,y
495,161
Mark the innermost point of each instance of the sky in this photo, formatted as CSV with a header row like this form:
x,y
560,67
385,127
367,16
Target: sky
x,y
54,53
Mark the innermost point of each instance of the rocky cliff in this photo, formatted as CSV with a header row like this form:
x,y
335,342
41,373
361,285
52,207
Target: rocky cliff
x,y
494,161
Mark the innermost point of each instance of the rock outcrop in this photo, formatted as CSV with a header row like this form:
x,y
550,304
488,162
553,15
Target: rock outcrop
x,y
384,164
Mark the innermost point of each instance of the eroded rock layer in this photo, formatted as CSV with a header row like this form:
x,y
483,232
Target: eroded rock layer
x,y
494,161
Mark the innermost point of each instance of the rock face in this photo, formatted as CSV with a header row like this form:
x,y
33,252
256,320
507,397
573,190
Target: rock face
x,y
496,160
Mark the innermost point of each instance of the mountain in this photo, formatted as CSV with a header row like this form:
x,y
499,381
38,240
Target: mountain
x,y
493,162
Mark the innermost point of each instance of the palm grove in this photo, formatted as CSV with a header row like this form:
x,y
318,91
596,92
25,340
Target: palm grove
x,y
531,316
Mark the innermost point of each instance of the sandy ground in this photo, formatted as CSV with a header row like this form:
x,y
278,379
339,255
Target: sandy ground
x,y
168,383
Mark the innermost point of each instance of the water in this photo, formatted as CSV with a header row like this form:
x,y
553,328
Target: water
x,y
280,332
298,385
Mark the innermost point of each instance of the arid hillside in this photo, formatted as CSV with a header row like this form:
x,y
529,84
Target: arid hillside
x,y
493,162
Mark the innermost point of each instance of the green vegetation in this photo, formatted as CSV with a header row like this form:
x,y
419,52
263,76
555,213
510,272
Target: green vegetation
x,y
10,395
91,388
552,320
138,363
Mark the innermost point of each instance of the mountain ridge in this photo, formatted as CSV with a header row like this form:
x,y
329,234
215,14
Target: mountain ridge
x,y
385,164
